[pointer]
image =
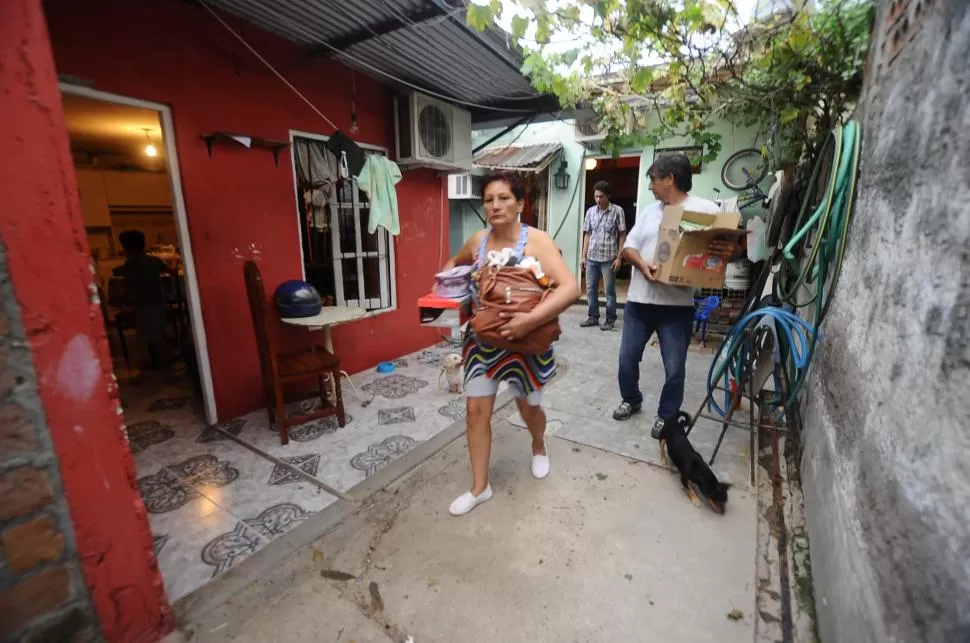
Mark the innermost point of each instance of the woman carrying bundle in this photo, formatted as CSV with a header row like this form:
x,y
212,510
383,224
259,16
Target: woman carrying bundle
x,y
486,364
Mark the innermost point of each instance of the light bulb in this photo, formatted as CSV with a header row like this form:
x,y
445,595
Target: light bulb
x,y
590,164
150,150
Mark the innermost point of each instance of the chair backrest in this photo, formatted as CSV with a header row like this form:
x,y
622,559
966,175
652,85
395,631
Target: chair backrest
x,y
260,314
707,306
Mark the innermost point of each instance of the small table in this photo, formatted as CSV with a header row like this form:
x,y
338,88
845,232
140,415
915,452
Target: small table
x,y
329,316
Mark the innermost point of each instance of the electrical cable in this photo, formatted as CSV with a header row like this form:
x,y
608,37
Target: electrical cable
x,y
812,259
431,40
265,62
309,35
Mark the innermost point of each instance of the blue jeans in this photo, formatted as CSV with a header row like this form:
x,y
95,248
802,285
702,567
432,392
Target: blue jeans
x,y
674,326
595,270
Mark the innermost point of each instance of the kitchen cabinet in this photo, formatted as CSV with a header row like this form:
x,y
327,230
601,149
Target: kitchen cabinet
x,y
139,189
94,198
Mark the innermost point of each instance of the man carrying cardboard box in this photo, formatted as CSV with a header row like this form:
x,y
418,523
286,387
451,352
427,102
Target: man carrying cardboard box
x,y
655,307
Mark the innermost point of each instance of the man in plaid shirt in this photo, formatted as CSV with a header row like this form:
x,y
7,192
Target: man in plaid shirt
x,y
604,231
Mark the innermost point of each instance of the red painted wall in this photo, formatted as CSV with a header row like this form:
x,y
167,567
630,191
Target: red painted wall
x,y
170,52
43,230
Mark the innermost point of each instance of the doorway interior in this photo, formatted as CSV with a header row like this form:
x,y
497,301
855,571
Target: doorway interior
x,y
129,190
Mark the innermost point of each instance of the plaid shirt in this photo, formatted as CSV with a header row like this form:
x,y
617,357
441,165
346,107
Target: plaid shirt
x,y
604,230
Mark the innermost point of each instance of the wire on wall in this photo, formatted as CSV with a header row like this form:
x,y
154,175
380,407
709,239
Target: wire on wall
x,y
267,63
309,35
358,61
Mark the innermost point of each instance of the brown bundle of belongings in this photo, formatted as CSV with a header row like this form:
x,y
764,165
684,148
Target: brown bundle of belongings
x,y
511,289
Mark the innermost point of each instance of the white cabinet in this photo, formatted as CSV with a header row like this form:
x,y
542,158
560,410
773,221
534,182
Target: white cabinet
x,y
139,189
94,198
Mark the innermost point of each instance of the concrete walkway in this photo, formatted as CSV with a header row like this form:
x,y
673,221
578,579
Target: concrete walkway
x,y
608,548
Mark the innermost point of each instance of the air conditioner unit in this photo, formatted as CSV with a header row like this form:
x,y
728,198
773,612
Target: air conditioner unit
x,y
589,129
464,186
432,133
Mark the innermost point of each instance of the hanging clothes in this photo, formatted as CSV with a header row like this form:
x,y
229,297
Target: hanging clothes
x,y
377,179
319,200
350,155
318,169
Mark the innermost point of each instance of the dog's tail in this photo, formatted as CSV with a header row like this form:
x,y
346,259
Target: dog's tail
x,y
684,419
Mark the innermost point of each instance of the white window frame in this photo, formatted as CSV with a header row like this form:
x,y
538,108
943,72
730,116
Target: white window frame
x,y
385,243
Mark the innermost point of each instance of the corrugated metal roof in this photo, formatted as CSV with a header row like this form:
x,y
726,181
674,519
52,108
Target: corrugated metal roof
x,y
422,42
533,158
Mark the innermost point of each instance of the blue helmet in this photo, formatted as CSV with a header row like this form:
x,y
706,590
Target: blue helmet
x,y
295,298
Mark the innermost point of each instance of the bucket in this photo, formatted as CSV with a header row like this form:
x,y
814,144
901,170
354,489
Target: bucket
x,y
737,275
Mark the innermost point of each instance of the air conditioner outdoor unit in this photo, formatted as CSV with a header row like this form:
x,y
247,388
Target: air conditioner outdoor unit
x,y
432,133
588,129
464,186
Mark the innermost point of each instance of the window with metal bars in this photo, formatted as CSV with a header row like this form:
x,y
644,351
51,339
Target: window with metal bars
x,y
346,264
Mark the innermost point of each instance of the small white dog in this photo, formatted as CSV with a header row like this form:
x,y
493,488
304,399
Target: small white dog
x,y
453,371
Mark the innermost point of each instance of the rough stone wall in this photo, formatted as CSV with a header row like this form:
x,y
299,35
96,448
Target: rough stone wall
x,y
42,592
66,454
886,466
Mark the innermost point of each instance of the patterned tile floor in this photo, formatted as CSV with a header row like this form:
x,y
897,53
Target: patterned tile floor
x,y
212,501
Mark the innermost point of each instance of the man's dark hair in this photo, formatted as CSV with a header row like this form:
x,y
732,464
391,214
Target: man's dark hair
x,y
602,186
132,241
512,179
675,165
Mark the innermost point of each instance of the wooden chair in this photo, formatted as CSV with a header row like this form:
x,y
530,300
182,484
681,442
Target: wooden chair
x,y
279,369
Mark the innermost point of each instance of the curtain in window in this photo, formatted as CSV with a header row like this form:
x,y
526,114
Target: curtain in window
x,y
317,171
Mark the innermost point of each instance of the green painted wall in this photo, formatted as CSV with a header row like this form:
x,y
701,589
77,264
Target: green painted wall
x,y
566,207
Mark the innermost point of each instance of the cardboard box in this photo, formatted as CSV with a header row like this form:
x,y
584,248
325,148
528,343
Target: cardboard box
x,y
682,245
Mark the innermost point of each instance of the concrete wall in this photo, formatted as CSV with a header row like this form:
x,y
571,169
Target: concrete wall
x,y
886,467
42,592
566,207
73,526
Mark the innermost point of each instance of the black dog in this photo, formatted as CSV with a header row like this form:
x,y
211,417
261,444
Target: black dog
x,y
690,464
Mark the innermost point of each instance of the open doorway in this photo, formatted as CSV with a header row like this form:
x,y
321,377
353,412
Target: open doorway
x,y
131,201
535,210
623,175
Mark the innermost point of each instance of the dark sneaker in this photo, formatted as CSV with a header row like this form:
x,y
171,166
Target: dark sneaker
x,y
657,431
608,325
589,323
625,411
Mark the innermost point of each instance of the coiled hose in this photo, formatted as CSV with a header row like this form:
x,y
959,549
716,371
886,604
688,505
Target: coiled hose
x,y
810,267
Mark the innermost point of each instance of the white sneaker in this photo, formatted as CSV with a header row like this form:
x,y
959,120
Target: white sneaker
x,y
466,501
540,466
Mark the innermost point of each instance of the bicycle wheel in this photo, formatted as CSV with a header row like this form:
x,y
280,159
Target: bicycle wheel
x,y
732,172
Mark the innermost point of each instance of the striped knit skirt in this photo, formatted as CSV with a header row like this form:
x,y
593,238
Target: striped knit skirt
x,y
530,372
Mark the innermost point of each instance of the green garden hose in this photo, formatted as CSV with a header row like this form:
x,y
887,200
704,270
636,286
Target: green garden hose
x,y
820,239
824,235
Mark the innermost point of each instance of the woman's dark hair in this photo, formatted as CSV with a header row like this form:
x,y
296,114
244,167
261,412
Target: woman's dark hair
x,y
602,186
516,184
675,165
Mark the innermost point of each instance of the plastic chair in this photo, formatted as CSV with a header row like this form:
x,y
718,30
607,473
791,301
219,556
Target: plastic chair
x,y
702,313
